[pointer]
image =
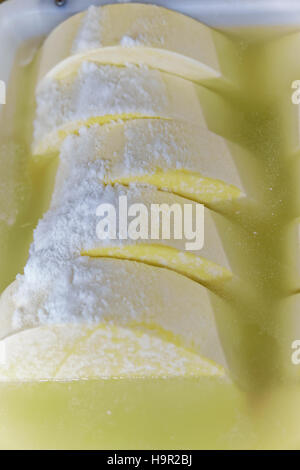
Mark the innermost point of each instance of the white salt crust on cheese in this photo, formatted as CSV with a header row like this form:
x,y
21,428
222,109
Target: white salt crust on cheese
x,y
58,285
76,217
70,316
46,292
68,231
138,34
204,166
73,352
91,292
107,93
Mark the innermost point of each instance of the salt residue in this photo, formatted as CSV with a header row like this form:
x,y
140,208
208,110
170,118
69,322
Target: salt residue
x,y
130,148
127,41
99,91
146,28
79,351
89,34
46,291
59,286
141,146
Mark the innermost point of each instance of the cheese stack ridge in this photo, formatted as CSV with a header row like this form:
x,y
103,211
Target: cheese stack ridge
x,y
121,102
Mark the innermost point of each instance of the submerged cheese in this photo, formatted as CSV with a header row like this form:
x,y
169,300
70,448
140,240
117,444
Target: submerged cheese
x,y
61,286
85,307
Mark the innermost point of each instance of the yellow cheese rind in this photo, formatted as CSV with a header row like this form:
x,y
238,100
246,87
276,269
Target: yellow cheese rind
x,y
187,184
194,267
157,37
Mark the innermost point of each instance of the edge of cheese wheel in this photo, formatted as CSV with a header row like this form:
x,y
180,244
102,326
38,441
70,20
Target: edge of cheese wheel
x,y
120,292
73,352
140,34
108,93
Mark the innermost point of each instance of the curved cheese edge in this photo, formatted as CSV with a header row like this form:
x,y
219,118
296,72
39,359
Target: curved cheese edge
x,y
122,293
187,184
151,217
105,93
73,352
51,143
194,267
138,34
189,160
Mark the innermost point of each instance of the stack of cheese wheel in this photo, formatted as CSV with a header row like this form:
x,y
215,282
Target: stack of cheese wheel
x,y
120,98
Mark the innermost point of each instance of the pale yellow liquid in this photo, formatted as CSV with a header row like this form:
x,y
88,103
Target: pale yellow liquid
x,y
261,410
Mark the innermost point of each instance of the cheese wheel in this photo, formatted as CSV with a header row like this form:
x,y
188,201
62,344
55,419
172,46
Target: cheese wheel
x,y
154,221
172,155
139,34
71,352
102,93
115,292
